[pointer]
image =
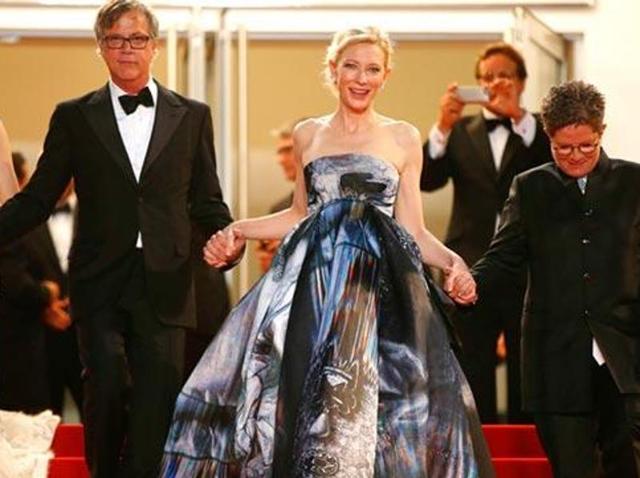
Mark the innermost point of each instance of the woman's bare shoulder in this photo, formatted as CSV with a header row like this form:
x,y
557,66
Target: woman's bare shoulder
x,y
404,133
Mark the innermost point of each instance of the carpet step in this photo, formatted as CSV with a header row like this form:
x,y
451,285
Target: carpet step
x,y
515,452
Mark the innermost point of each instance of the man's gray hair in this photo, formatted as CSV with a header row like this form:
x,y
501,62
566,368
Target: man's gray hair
x,y
113,10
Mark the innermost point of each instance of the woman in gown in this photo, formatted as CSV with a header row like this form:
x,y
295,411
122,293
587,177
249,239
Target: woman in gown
x,y
8,181
338,362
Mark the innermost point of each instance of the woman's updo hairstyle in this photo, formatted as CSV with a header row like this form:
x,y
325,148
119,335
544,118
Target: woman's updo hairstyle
x,y
345,38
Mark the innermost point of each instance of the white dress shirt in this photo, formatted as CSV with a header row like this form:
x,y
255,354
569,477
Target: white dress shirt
x,y
135,129
526,129
60,227
498,138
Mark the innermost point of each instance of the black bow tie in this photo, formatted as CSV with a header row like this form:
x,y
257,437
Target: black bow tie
x,y
493,123
130,103
64,209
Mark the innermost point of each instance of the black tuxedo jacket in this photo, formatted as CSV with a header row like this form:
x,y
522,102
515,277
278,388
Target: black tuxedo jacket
x,y
479,189
583,254
178,184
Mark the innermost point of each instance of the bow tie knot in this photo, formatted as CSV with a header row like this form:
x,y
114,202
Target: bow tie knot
x,y
64,209
493,123
130,103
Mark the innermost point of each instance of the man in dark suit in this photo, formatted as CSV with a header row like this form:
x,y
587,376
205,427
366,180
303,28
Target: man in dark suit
x,y
30,303
481,154
143,162
575,224
48,246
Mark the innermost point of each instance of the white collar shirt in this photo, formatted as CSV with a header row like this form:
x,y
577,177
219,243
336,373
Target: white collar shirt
x,y
135,129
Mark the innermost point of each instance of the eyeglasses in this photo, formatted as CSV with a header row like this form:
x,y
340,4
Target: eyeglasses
x,y
584,148
136,42
501,75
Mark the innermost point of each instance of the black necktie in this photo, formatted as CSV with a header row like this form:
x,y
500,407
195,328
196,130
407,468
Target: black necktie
x,y
130,103
493,123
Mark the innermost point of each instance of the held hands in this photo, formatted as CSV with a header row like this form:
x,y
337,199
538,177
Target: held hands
x,y
459,283
450,109
224,248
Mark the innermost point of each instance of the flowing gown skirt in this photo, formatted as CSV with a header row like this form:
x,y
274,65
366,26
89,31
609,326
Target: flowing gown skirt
x,y
337,363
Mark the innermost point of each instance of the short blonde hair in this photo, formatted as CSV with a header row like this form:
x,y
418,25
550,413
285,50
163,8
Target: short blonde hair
x,y
345,38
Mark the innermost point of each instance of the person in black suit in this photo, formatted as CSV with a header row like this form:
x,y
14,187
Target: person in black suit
x,y
48,245
143,162
481,154
575,224
30,302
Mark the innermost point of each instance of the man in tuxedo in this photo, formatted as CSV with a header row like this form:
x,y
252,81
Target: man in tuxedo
x,y
575,225
49,245
481,154
143,162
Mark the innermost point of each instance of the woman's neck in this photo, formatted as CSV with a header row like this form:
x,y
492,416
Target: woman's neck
x,y
351,122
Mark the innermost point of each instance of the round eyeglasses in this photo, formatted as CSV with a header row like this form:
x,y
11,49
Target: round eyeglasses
x,y
568,149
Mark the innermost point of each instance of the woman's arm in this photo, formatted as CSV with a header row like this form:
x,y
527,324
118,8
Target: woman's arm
x,y
277,225
225,246
8,181
408,212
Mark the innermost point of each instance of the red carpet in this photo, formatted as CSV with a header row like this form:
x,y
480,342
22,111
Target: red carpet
x,y
515,449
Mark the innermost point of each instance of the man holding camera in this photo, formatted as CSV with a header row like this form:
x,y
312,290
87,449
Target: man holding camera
x,y
481,154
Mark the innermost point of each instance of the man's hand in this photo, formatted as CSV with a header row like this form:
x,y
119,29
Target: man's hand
x,y
450,109
224,248
459,284
56,315
504,99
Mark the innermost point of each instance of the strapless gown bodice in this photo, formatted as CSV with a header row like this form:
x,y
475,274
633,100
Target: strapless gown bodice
x,y
355,176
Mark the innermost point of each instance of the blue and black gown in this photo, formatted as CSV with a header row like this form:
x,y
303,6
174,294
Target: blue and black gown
x,y
338,362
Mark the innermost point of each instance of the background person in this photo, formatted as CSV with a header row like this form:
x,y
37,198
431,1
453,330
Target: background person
x,y
481,154
266,248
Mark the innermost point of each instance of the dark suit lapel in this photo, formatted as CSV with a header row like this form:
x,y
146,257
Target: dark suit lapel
x,y
169,113
596,177
100,116
477,131
514,142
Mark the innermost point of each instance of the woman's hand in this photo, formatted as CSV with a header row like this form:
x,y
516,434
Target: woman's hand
x,y
224,248
459,283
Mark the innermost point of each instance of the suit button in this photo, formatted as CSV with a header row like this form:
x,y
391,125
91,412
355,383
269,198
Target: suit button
x,y
586,241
